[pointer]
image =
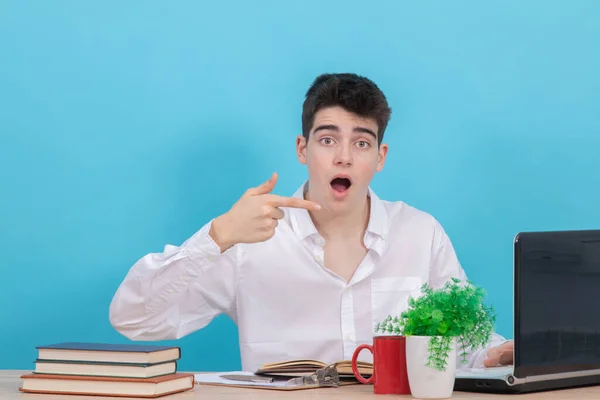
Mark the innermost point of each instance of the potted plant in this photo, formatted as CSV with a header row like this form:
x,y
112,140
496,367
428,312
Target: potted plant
x,y
437,324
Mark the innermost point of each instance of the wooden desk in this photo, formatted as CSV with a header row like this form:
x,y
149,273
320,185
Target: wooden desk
x,y
10,383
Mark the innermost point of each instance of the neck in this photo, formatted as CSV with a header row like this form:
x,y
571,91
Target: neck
x,y
343,225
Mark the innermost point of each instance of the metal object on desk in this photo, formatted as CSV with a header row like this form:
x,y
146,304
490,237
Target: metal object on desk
x,y
327,376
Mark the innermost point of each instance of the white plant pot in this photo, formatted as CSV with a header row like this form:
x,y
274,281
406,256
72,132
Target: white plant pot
x,y
427,382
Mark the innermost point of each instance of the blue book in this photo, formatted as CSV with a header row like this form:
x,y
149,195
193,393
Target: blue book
x,y
111,353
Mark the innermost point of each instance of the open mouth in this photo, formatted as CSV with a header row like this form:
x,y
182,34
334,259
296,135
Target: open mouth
x,y
341,184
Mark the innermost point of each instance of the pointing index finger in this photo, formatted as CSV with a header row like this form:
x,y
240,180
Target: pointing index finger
x,y
294,202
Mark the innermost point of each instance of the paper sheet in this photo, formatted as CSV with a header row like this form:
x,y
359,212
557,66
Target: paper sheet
x,y
217,379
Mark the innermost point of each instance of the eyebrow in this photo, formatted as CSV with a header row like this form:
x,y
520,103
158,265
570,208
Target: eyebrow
x,y
335,128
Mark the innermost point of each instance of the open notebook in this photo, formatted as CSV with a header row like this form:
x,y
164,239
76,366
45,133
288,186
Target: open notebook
x,y
290,375
322,378
307,367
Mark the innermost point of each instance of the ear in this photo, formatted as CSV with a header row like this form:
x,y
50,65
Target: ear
x,y
383,150
301,148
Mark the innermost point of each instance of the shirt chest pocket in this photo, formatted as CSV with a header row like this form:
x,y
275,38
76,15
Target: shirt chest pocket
x,y
389,296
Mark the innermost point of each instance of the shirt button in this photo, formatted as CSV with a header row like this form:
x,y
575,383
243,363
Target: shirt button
x,y
350,338
318,258
212,258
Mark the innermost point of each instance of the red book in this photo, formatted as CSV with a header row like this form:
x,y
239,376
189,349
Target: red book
x,y
107,386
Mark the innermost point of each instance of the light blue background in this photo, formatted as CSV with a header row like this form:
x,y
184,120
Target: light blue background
x,y
128,125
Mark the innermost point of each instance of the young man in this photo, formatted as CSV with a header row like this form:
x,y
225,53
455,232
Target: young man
x,y
307,276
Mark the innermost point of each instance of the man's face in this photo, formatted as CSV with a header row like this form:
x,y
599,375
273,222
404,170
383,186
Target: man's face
x,y
342,156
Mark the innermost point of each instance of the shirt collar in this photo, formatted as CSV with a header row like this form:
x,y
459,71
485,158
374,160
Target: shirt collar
x,y
304,227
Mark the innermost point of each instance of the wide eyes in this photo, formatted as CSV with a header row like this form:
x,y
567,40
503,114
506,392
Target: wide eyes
x,y
363,144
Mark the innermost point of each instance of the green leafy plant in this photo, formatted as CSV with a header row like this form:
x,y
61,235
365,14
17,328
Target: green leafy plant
x,y
454,311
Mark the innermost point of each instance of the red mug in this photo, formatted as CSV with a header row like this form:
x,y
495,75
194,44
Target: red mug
x,y
389,365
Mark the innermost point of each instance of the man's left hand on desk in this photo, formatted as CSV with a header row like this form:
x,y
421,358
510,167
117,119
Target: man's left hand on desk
x,y
500,355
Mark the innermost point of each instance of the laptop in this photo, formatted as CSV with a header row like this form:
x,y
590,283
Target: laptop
x,y
556,316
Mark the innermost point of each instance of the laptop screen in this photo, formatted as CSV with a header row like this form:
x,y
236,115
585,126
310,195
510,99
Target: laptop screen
x,y
557,303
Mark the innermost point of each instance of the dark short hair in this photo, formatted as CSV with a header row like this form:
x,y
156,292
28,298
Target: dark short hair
x,y
354,93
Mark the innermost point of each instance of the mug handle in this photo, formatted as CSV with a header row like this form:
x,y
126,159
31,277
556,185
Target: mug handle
x,y
355,368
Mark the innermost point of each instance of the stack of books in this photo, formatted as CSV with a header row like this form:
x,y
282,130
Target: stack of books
x,y
99,369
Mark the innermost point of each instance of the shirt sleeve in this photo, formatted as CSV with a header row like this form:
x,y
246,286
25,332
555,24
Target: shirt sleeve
x,y
445,265
171,294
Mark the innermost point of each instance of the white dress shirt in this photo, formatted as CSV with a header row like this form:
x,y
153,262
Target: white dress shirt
x,y
285,302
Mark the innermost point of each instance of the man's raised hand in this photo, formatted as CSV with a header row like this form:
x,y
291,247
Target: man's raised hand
x,y
254,217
